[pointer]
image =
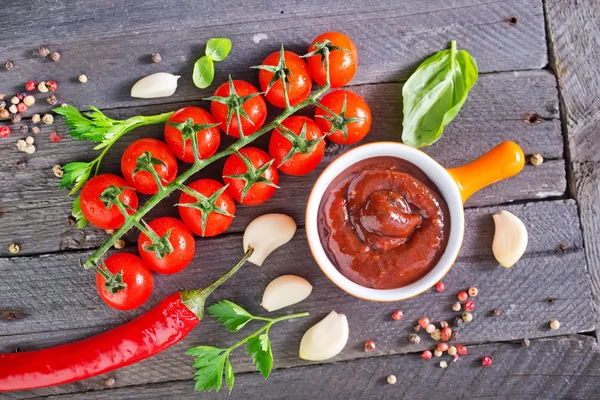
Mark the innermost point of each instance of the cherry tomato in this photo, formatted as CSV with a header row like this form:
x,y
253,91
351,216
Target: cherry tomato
x,y
255,108
342,64
258,187
143,181
300,83
208,139
181,240
216,222
308,155
94,209
136,275
355,108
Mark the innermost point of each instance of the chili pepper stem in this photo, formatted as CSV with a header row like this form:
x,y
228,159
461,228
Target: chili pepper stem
x,y
195,300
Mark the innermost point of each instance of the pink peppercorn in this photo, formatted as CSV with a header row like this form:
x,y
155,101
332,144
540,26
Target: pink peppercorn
x,y
442,346
30,86
446,334
470,306
426,355
462,350
369,345
486,361
397,315
21,108
51,85
463,296
440,287
4,131
423,322
55,138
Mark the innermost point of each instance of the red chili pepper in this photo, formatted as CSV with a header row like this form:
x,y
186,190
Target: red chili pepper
x,y
152,332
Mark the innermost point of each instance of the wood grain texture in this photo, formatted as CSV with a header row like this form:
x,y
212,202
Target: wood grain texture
x,y
112,41
34,213
575,46
560,368
522,293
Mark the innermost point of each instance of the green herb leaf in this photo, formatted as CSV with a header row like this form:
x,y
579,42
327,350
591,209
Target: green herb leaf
x,y
435,93
260,349
218,49
209,365
230,314
204,72
92,126
229,376
78,214
75,173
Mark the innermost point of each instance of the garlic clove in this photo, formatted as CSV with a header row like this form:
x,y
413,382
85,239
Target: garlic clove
x,y
266,233
510,238
161,84
326,339
285,291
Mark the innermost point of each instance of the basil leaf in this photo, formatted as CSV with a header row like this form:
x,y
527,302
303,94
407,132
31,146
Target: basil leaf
x,y
204,72
435,93
218,49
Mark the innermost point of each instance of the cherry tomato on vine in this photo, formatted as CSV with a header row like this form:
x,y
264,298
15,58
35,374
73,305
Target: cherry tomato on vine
x,y
353,117
300,83
253,178
95,210
208,139
252,104
136,277
216,215
342,63
305,147
170,253
160,158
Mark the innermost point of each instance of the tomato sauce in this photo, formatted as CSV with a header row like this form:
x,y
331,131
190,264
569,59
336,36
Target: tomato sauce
x,y
383,223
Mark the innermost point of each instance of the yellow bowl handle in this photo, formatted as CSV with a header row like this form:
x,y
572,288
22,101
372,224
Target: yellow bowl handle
x,y
501,162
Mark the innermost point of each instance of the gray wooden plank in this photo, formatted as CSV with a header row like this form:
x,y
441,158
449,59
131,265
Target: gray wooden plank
x,y
34,212
574,40
521,294
112,43
559,368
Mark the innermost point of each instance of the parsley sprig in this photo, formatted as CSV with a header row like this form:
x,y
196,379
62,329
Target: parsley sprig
x,y
212,363
95,127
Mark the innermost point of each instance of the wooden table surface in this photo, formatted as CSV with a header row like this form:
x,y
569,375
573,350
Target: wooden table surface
x,y
538,86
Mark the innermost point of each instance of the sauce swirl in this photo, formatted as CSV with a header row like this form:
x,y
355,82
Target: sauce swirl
x,y
383,223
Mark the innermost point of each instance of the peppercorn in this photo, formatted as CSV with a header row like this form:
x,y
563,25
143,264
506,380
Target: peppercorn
x,y
16,118
443,324
30,86
470,306
495,312
30,149
4,114
36,118
51,85
15,100
456,306
437,353
23,129
110,382
467,316
64,105
55,56
3,96
4,131
370,345
2,104
29,140
536,160
554,325
9,65
391,379
430,328
48,119
473,291
21,145
442,347
426,355
156,58
35,130
13,248
446,334
21,95
462,350
417,328
22,108
42,87
452,350
13,109
120,243
57,170
423,322
440,287
51,100
437,335
414,338
443,364
43,51
462,296
29,101
397,315
486,361
82,78
109,231
525,342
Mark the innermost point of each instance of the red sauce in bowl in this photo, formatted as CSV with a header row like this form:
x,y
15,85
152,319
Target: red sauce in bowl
x,y
383,223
